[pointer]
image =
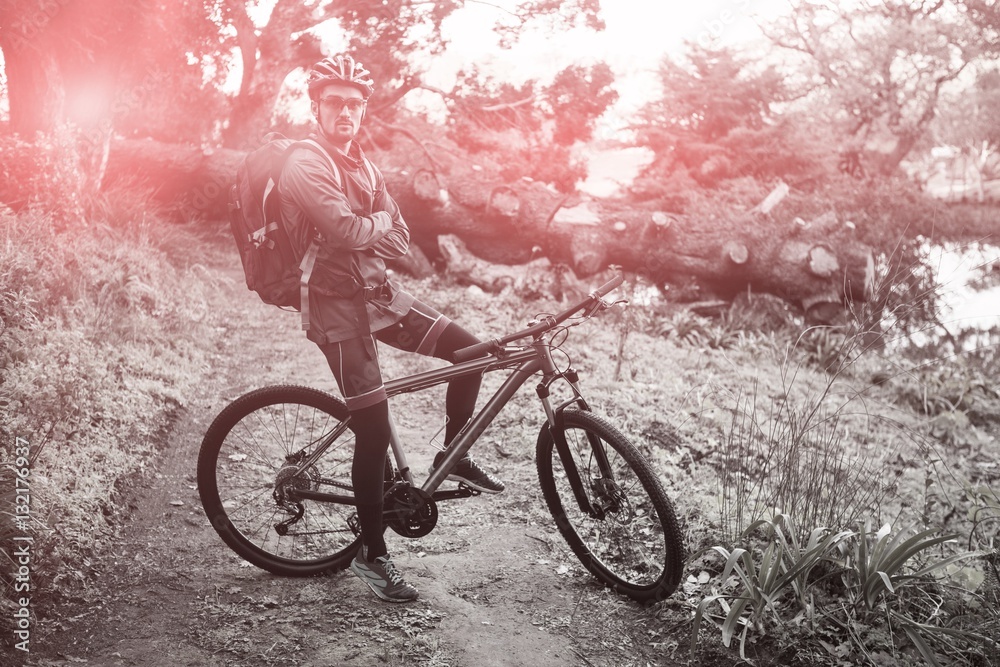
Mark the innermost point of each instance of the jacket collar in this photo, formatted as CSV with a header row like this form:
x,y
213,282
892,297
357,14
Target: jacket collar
x,y
352,161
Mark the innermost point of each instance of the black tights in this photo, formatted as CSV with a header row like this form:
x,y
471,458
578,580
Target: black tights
x,y
371,429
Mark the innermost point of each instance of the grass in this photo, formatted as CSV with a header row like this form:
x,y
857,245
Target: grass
x,y
819,457
102,337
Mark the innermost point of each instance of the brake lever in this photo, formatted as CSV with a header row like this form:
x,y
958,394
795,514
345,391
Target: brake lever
x,y
605,305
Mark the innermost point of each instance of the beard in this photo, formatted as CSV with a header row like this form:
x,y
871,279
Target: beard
x,y
338,130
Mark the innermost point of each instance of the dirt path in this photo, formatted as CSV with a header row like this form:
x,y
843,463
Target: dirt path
x,y
497,585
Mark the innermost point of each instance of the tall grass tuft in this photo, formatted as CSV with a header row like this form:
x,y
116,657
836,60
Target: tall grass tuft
x,y
792,456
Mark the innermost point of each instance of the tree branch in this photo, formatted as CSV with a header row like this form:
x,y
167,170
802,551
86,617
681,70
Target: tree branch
x,y
509,105
409,135
411,83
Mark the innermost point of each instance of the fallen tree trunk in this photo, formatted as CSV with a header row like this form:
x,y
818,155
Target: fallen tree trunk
x,y
814,265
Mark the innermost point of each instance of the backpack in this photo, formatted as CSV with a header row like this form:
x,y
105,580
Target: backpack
x,y
270,265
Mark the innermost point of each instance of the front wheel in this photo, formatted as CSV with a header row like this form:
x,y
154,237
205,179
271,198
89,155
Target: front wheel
x,y
610,507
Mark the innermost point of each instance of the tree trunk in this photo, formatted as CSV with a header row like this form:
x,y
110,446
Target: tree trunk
x,y
264,72
34,86
817,265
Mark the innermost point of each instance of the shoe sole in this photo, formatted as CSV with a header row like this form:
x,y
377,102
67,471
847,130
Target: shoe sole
x,y
375,589
472,485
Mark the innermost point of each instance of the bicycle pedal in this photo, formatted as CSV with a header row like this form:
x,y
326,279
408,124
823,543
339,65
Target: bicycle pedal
x,y
354,525
465,488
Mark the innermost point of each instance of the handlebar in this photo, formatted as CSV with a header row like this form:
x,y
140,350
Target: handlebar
x,y
549,322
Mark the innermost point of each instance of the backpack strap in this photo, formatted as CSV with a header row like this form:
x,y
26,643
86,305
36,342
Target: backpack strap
x,y
314,145
371,173
307,265
309,259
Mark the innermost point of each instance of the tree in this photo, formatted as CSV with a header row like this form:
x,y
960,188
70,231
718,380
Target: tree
x,y
876,71
386,35
531,129
86,70
62,52
716,120
968,121
172,88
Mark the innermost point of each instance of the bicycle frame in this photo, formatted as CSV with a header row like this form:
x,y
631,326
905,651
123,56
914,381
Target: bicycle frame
x,y
526,362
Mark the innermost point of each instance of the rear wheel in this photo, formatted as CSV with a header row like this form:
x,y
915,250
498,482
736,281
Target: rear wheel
x,y
627,535
255,459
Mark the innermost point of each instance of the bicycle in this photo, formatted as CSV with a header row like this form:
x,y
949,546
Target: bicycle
x,y
274,470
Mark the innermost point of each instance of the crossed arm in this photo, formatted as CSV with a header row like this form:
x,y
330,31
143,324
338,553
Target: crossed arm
x,y
311,184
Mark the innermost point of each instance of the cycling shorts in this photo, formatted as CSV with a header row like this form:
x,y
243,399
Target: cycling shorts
x,y
354,362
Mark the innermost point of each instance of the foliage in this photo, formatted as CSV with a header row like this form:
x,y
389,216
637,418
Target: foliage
x,y
765,578
852,580
823,462
530,129
875,71
717,121
966,123
101,339
872,572
172,91
43,174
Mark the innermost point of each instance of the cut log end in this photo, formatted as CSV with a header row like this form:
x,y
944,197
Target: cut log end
x,y
427,187
822,262
589,254
504,202
661,220
736,252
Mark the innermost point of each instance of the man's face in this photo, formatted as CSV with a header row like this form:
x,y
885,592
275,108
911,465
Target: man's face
x,y
340,108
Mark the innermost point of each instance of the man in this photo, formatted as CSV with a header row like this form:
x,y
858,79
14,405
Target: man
x,y
352,304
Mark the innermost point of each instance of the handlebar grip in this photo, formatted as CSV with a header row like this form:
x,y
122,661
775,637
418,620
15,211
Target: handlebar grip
x,y
608,286
474,351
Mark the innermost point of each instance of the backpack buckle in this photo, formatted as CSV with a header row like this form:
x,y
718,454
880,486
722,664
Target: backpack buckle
x,y
372,293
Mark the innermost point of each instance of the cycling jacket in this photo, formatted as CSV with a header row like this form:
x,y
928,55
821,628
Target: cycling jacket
x,y
359,226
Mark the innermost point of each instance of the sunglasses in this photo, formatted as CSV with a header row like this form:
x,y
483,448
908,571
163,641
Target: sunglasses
x,y
334,103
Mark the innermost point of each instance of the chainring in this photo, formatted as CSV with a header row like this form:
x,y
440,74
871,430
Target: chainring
x,y
409,511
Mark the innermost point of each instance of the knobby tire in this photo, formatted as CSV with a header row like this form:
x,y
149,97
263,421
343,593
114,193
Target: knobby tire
x,y
635,548
247,460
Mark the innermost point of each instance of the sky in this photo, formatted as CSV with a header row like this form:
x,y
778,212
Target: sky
x,y
638,35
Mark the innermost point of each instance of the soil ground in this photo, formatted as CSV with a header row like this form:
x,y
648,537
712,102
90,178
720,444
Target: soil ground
x,y
497,584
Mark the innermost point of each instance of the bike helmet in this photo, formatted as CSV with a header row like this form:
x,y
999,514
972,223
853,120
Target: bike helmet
x,y
340,68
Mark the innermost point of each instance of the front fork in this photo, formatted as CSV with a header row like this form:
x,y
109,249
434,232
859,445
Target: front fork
x,y
556,425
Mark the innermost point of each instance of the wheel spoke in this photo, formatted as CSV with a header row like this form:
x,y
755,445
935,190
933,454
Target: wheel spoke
x,y
255,456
